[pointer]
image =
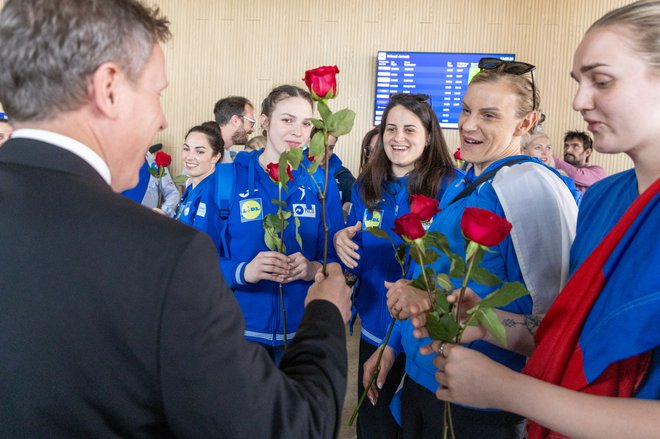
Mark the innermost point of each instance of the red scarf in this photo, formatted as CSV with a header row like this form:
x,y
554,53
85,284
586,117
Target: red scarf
x,y
558,357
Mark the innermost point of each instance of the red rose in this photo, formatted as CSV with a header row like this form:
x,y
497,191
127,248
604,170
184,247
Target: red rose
x,y
162,159
484,227
423,207
409,226
457,154
322,82
311,158
273,170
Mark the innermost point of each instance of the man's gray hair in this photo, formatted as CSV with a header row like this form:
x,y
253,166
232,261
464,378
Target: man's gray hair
x,y
49,50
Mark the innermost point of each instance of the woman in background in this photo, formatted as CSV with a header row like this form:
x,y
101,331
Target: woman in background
x,y
538,145
202,150
368,146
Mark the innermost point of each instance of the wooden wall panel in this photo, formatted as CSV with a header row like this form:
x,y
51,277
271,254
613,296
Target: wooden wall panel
x,y
245,47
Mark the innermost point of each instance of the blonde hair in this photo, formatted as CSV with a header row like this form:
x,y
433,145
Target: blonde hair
x,y
528,139
521,85
642,18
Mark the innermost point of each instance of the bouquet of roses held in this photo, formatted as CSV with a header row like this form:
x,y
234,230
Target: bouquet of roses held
x,y
481,229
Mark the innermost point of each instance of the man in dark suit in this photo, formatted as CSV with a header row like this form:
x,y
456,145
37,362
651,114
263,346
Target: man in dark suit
x,y
91,344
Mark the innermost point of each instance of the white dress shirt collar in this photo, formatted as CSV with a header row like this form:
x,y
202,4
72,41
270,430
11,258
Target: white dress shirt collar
x,y
71,145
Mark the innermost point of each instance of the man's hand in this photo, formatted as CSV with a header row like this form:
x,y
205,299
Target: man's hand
x,y
333,289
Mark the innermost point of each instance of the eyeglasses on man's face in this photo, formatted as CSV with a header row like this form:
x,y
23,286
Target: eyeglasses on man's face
x,y
252,121
517,68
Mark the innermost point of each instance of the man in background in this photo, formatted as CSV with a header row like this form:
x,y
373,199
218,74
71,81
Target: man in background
x,y
578,147
92,346
235,117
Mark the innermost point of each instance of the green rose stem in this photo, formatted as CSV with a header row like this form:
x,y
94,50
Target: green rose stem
x,y
323,195
374,375
459,336
426,279
448,422
381,349
280,245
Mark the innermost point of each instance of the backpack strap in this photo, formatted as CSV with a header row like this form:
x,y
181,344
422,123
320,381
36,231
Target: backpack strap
x,y
485,177
225,180
225,183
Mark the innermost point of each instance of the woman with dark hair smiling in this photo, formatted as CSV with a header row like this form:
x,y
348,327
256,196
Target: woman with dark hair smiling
x,y
202,150
410,157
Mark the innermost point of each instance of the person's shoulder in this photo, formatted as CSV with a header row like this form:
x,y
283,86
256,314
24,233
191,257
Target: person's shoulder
x,y
623,178
243,158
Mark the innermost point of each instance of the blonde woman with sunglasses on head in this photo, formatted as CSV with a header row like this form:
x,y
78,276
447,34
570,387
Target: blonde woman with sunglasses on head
x,y
594,370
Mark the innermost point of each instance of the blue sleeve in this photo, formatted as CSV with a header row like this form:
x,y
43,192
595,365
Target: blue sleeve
x,y
233,271
395,339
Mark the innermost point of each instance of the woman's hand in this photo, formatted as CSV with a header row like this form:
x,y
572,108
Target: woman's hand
x,y
267,266
386,363
405,301
301,268
471,333
470,378
345,247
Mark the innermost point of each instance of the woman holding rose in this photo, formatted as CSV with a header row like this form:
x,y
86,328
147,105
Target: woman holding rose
x,y
411,157
252,270
499,107
594,370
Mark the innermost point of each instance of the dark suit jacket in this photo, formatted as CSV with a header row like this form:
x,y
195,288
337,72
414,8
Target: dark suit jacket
x,y
116,322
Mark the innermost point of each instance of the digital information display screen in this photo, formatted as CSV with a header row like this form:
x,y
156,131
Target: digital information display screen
x,y
443,76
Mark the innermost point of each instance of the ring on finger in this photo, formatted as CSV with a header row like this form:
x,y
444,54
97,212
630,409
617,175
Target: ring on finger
x,y
441,349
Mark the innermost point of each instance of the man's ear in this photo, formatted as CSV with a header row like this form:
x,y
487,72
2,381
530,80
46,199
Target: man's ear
x,y
106,87
587,153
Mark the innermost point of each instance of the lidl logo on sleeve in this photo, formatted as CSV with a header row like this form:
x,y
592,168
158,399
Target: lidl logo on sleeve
x,y
372,218
251,210
302,211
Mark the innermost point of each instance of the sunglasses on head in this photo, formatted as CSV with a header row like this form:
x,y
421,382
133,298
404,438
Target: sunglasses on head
x,y
517,68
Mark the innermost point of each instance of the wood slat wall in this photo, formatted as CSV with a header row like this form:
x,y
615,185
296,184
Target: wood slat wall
x,y
245,47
